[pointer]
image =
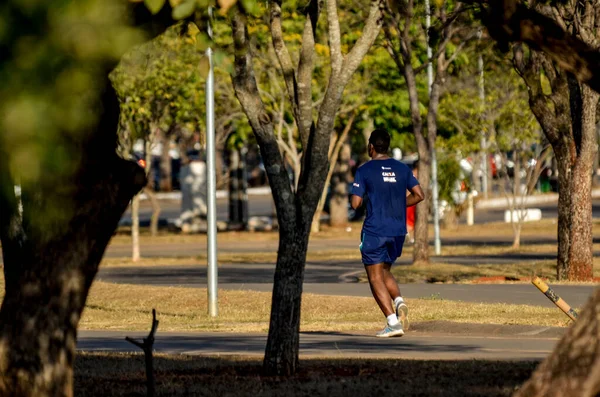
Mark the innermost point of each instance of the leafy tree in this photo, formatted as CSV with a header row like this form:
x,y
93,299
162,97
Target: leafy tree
x,y
295,207
405,41
162,92
58,144
567,111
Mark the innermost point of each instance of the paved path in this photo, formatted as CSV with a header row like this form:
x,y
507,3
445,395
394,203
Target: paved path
x,y
330,344
339,279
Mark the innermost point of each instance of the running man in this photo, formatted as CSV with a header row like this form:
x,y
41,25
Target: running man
x,y
385,181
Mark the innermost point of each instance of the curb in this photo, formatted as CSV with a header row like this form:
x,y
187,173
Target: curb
x,y
500,203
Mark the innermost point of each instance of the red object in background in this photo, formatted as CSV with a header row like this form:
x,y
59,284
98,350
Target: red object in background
x,y
142,163
493,165
410,216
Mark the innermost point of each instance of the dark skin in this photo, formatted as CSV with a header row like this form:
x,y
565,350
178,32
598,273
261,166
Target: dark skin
x,y
383,284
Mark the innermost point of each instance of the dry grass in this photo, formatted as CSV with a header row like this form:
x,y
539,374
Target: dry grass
x,y
127,307
454,273
328,254
118,374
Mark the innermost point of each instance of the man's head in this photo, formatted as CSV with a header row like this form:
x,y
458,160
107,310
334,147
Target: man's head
x,y
379,142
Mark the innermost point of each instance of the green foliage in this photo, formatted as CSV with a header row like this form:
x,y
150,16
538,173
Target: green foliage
x,y
154,5
449,173
55,56
160,84
184,9
463,116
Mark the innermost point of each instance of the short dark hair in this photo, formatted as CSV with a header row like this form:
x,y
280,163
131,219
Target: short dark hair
x,y
380,139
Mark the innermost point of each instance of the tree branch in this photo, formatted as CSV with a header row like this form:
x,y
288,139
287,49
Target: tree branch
x,y
283,55
304,117
335,41
510,21
364,43
246,89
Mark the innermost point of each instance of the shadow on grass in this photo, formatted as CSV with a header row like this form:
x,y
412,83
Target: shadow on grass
x,y
114,374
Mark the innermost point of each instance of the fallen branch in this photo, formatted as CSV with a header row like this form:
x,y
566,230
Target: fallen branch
x,y
146,346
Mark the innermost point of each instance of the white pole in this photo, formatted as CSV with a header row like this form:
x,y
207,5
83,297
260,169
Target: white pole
x,y
470,211
211,186
434,180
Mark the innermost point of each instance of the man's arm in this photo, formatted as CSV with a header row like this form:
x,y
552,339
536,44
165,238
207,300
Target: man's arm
x,y
415,197
356,201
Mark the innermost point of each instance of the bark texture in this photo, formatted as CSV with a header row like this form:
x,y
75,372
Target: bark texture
x,y
295,207
567,116
51,255
581,250
55,234
573,368
564,41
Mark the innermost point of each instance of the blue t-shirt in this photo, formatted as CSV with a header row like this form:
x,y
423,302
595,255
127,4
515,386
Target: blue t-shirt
x,y
385,183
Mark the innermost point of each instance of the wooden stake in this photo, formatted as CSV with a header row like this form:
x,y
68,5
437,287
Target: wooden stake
x,y
146,346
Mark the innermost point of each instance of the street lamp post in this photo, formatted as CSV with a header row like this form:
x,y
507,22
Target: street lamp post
x,y
211,183
434,179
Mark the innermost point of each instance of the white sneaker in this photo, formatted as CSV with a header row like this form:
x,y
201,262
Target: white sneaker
x,y
402,313
391,330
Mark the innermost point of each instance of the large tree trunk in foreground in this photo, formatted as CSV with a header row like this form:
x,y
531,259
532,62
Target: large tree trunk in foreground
x,y
51,256
281,353
573,368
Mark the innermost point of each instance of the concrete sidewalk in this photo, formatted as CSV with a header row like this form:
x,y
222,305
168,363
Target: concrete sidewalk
x,y
546,198
416,345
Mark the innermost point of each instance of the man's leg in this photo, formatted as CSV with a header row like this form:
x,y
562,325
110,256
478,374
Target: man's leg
x,y
390,281
399,305
377,281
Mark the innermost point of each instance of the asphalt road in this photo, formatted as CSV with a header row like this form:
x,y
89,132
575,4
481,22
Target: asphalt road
x,y
263,206
415,345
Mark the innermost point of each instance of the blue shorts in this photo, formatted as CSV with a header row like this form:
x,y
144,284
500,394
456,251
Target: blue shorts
x,y
376,249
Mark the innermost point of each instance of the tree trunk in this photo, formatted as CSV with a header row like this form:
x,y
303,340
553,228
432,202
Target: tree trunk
x,y
281,353
421,246
333,159
155,210
517,235
563,160
148,189
51,255
338,216
135,228
238,200
573,368
581,250
166,184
